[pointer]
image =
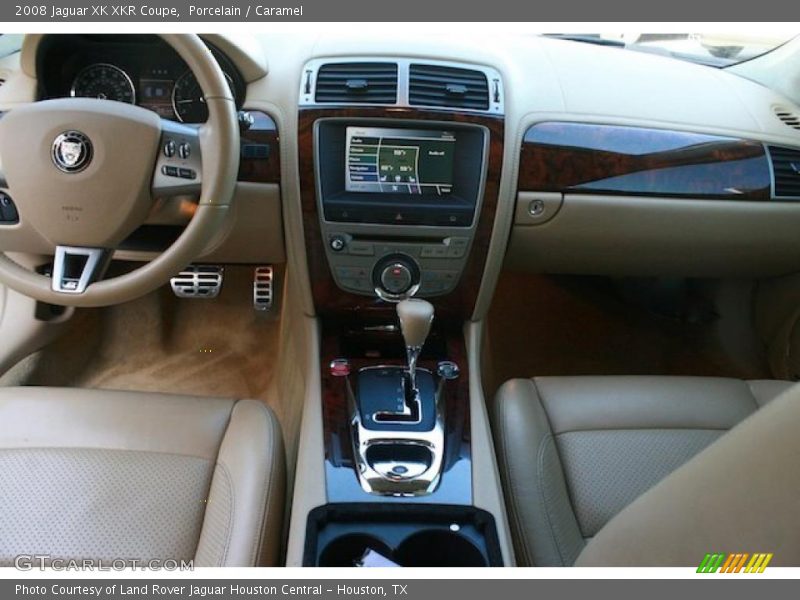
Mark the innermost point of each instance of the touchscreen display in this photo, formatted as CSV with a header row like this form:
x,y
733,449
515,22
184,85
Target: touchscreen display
x,y
399,161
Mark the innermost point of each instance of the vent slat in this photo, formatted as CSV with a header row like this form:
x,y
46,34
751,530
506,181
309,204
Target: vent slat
x,y
789,118
786,171
374,83
434,85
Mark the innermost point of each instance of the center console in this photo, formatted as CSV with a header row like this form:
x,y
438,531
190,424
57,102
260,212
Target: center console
x,y
399,174
398,201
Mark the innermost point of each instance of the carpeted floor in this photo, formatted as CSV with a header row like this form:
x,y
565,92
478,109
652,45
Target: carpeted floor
x,y
219,347
541,325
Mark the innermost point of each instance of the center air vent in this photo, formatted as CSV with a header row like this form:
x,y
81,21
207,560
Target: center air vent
x,y
786,170
787,116
359,83
435,85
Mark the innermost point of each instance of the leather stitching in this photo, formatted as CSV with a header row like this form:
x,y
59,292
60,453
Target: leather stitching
x,y
273,474
522,540
543,497
266,497
231,508
550,437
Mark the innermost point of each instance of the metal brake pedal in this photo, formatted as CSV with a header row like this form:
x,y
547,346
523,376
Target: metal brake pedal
x,y
262,288
198,281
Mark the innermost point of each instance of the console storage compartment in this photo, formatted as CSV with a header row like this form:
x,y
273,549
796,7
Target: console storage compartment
x,y
411,535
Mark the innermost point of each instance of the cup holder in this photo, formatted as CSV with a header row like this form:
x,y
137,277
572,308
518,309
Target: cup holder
x,y
345,550
407,535
438,548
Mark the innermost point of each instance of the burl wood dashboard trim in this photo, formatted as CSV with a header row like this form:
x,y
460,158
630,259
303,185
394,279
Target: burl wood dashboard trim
x,y
328,297
591,158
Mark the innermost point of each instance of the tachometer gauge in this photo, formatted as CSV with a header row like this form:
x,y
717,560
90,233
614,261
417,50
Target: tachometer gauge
x,y
105,82
188,99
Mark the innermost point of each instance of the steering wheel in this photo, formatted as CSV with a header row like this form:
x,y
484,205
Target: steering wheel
x,y
84,174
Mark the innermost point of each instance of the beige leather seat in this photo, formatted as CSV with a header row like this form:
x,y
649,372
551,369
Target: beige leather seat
x,y
106,475
575,451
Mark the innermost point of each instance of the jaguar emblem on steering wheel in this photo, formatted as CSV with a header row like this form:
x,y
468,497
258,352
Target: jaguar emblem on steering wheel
x,y
72,151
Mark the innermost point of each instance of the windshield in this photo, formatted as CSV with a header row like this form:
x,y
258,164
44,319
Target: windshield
x,y
10,43
716,49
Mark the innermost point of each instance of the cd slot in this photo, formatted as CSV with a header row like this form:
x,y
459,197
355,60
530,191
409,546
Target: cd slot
x,y
399,239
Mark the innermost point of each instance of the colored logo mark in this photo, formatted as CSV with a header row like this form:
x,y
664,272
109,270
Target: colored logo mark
x,y
734,563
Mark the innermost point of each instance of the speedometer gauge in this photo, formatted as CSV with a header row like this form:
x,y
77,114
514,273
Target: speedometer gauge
x,y
105,82
188,99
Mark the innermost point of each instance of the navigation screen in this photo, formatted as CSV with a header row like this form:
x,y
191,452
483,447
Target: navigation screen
x,y
399,161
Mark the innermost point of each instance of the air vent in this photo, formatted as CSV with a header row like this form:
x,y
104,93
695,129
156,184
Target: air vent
x,y
786,170
357,83
789,117
434,85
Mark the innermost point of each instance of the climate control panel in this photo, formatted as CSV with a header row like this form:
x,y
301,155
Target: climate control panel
x,y
394,268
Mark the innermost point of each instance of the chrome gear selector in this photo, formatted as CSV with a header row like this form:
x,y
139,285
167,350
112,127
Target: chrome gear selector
x,y
398,414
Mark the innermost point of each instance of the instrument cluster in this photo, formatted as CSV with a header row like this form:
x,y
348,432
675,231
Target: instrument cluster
x,y
142,71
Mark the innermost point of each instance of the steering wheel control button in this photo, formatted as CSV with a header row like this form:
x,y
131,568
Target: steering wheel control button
x,y
72,151
396,278
337,243
8,210
169,148
184,151
186,174
169,171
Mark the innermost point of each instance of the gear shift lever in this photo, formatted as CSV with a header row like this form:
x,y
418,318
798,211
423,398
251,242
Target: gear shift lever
x,y
398,425
416,317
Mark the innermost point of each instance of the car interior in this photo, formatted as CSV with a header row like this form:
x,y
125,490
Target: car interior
x,y
385,298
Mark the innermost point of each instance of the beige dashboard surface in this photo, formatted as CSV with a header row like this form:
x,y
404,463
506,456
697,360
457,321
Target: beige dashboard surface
x,y
544,79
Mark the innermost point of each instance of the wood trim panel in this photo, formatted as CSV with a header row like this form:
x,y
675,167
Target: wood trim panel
x,y
328,297
263,133
591,158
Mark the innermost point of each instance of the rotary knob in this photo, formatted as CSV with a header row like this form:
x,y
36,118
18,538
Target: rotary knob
x,y
396,276
337,243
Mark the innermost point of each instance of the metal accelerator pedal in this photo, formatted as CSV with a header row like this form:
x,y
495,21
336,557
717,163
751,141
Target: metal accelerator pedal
x,y
263,288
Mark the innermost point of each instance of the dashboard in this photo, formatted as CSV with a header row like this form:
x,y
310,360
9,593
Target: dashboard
x,y
139,70
588,160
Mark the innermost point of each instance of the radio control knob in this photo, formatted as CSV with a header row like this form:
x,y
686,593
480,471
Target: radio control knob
x,y
337,243
396,278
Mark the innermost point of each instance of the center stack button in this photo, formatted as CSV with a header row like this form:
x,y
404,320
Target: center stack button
x,y
396,278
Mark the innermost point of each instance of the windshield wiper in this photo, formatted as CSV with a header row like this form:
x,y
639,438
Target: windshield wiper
x,y
586,38
589,38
